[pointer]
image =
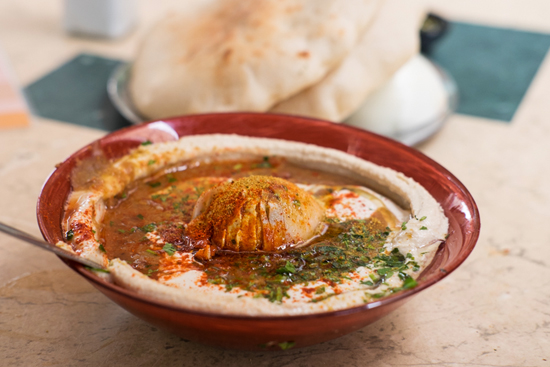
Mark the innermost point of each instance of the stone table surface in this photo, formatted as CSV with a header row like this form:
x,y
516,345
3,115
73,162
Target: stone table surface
x,y
492,311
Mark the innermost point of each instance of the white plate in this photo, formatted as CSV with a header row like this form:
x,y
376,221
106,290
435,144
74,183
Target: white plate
x,y
412,105
117,89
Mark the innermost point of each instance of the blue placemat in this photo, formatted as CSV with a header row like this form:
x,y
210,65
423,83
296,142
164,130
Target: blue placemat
x,y
493,68
76,92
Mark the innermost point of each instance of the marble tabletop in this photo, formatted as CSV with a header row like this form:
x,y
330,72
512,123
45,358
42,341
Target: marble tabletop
x,y
492,311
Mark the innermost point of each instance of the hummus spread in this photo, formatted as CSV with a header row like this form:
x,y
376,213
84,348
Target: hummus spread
x,y
252,226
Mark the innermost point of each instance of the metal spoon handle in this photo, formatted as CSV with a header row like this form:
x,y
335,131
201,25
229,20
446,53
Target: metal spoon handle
x,y
46,246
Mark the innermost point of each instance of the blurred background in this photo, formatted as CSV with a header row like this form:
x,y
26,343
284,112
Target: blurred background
x,y
63,54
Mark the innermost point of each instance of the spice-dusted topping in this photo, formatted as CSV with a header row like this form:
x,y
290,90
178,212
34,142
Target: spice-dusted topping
x,y
255,213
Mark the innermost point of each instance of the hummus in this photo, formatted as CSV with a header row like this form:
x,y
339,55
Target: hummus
x,y
358,233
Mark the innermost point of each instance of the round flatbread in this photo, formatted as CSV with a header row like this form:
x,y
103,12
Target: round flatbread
x,y
243,54
391,40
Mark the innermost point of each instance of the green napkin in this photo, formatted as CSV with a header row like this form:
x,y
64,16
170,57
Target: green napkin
x,y
76,92
493,67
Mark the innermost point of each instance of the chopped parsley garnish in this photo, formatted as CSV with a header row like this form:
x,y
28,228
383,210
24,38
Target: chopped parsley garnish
x,y
151,162
149,227
404,226
349,245
140,216
265,164
279,294
409,283
423,228
287,345
423,218
154,184
122,195
199,190
69,235
161,197
169,249
146,142
287,269
102,249
385,272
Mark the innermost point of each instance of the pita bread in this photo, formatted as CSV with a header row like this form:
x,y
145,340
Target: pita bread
x,y
243,54
391,40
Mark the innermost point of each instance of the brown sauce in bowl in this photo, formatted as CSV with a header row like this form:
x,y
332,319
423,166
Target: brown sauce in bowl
x,y
145,225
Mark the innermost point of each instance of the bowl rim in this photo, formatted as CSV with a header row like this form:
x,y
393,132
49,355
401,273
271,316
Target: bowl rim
x,y
394,298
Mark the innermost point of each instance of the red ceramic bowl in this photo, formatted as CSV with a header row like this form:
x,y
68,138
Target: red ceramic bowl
x,y
244,332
